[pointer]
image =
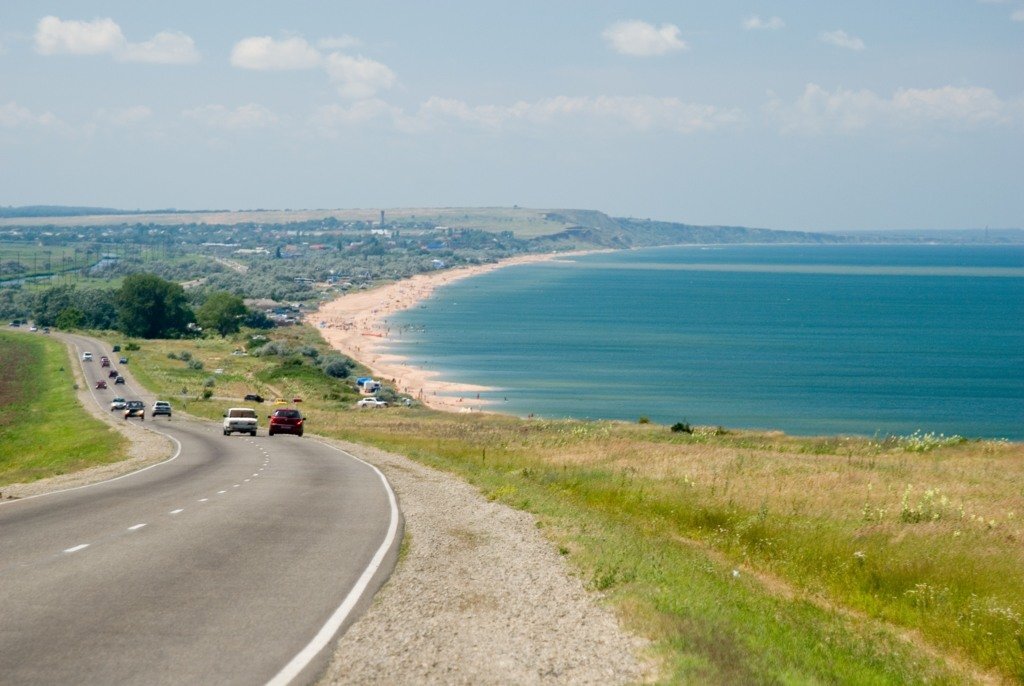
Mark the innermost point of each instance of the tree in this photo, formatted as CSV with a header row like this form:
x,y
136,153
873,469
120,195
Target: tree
x,y
150,307
70,318
222,312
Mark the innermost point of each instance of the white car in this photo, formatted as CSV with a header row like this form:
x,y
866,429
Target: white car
x,y
118,403
87,356
240,419
161,407
371,402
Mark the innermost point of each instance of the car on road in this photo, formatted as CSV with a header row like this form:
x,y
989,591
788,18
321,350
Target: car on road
x,y
286,421
112,374
135,408
104,361
253,397
241,420
101,385
161,407
87,356
371,402
118,403
118,379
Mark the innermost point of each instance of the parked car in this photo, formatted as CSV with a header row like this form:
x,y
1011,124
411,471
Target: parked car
x,y
118,379
371,402
253,397
280,401
112,374
33,328
161,407
46,329
118,403
135,408
116,348
123,360
240,419
286,421
101,385
87,356
296,399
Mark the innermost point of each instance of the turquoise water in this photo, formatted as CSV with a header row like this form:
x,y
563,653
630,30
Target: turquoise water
x,y
868,340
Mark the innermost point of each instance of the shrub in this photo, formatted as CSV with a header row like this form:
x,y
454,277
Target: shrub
x,y
644,420
172,355
131,346
209,381
336,366
682,427
185,355
207,393
273,348
195,364
309,351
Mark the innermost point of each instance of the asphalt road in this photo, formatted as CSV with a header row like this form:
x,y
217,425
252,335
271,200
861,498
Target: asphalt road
x,y
238,560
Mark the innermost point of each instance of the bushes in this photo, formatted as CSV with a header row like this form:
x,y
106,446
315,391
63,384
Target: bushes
x,y
337,366
682,427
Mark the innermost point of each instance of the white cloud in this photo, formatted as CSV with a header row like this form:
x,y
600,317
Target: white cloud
x,y
166,47
640,39
124,116
359,77
267,54
1018,15
342,42
756,23
819,111
55,36
841,39
242,118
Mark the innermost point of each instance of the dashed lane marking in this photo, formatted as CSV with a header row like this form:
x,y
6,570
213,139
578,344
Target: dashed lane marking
x,y
136,527
221,492
203,500
76,548
178,511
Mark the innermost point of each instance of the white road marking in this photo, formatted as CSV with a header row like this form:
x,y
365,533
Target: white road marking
x,y
203,500
76,548
136,527
257,474
221,492
334,623
248,480
178,511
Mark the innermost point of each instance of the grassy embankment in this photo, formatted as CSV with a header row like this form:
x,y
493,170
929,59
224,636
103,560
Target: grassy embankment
x,y
44,431
745,557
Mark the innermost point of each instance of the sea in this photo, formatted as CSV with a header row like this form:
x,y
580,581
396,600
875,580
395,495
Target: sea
x,y
868,340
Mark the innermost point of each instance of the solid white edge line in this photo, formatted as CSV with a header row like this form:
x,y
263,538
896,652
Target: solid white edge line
x,y
327,632
173,457
76,548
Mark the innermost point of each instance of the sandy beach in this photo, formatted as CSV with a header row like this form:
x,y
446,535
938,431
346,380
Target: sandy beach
x,y
357,325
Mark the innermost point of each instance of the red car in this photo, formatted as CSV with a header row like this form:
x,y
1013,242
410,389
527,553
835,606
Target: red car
x,y
104,361
101,384
286,421
112,374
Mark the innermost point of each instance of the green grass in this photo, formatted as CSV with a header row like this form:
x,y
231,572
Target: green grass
x,y
856,561
44,431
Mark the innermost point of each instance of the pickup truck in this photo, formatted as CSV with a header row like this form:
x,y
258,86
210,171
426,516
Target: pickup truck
x,y
240,419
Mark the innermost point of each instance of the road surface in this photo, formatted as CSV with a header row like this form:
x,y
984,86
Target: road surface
x,y
237,560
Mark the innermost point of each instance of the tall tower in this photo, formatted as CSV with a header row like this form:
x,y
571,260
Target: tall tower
x,y
382,219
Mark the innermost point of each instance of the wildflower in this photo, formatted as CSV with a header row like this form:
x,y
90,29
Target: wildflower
x,y
735,574
859,554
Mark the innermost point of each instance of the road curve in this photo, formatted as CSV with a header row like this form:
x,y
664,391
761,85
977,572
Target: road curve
x,y
237,560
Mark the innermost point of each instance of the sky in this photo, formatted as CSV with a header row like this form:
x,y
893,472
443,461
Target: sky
x,y
830,116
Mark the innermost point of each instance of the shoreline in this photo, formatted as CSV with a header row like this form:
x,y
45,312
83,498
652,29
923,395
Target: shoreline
x,y
356,324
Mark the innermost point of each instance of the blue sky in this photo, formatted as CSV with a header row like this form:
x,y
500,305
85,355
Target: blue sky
x,y
817,116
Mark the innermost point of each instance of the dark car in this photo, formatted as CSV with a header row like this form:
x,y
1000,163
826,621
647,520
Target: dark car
x,y
101,384
116,348
253,397
112,374
124,360
286,421
135,408
119,379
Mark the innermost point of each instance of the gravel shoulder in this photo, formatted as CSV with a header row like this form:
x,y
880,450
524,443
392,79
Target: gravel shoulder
x,y
479,597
